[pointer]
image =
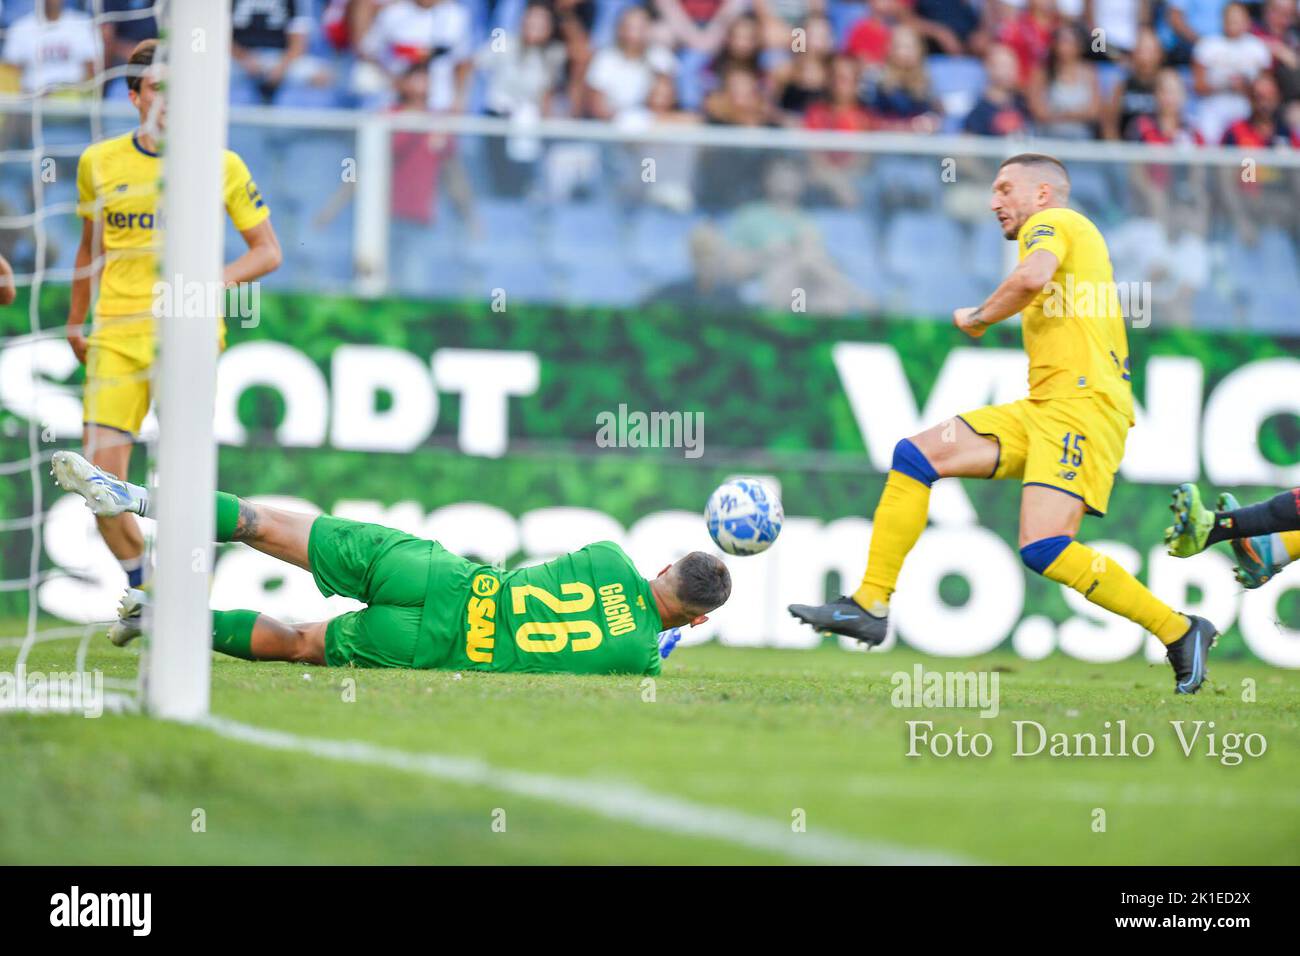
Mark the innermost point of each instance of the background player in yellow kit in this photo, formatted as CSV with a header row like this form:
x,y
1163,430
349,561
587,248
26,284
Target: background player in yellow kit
x,y
1064,442
117,186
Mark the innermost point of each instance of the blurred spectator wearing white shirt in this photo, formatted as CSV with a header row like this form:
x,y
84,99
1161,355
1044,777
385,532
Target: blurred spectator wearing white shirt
x,y
57,51
523,72
433,32
1222,70
620,76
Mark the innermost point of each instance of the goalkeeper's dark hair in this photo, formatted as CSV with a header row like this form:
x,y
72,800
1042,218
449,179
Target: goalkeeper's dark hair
x,y
702,582
138,63
1036,159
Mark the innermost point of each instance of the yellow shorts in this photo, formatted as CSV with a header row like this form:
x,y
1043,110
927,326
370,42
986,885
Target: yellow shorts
x,y
119,371
1072,444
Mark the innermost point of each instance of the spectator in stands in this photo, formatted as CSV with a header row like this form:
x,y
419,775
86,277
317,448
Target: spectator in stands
x,y
842,108
835,176
1065,96
522,73
1265,198
1157,185
1262,126
951,26
1281,34
698,26
1030,35
868,39
435,34
1222,70
1185,23
125,24
620,76
775,245
803,78
1001,109
739,101
899,94
58,52
674,163
1113,27
523,70
345,22
1135,95
421,163
741,50
779,19
268,45
1166,121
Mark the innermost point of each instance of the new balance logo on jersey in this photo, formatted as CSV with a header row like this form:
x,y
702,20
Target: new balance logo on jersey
x,y
133,910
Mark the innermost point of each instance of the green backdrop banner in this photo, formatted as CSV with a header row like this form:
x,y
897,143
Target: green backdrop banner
x,y
517,432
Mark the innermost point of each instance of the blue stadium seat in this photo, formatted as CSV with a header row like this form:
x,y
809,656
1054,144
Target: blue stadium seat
x,y
579,231
851,241
957,81
987,251
924,247
659,244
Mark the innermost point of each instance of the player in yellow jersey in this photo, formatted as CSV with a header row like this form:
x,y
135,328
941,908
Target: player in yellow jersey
x,y
1063,442
118,197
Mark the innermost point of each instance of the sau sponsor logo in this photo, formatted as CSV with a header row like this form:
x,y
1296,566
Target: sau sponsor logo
x,y
481,629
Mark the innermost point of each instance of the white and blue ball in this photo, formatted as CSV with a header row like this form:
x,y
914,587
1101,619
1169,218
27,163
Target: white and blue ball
x,y
744,516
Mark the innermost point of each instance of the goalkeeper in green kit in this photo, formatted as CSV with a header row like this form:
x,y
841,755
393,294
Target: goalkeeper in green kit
x,y
586,612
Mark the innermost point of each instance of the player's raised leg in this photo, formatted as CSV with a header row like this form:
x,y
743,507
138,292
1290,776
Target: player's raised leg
x,y
951,449
1049,520
281,534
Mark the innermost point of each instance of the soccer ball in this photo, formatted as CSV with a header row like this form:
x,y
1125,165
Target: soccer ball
x,y
744,516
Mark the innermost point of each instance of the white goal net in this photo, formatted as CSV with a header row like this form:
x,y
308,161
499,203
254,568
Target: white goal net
x,y
62,90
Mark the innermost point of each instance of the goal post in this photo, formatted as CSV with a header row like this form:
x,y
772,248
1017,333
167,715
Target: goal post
x,y
196,43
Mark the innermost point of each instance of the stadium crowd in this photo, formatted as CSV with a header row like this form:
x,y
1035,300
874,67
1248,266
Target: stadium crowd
x,y
722,226
1196,71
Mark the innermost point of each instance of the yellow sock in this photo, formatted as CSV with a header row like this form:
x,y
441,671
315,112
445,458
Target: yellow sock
x,y
1105,583
1291,541
899,520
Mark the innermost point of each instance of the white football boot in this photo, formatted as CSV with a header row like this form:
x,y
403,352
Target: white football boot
x,y
130,617
105,495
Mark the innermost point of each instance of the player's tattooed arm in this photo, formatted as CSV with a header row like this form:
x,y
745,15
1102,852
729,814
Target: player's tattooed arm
x,y
247,528
1021,287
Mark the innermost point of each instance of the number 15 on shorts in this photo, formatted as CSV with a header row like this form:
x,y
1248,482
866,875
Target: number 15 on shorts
x,y
1072,449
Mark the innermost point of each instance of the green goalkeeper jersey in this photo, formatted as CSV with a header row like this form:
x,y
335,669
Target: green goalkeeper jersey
x,y
586,612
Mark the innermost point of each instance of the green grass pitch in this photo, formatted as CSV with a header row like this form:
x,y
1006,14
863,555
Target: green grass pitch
x,y
780,736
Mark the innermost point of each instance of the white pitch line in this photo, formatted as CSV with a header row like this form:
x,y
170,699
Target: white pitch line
x,y
627,803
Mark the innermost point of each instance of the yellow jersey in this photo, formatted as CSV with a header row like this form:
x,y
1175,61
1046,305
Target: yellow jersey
x,y
118,182
1074,329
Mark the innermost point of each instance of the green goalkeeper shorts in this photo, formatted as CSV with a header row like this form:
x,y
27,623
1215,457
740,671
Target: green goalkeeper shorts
x,y
391,572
